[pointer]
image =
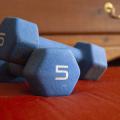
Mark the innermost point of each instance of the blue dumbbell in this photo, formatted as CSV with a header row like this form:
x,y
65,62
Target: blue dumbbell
x,y
9,74
51,72
47,73
20,38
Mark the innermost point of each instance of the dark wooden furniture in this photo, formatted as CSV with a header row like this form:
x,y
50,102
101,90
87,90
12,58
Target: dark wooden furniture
x,y
70,21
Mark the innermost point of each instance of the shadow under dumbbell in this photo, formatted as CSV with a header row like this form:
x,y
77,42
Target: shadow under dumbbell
x,y
7,76
114,62
4,72
13,89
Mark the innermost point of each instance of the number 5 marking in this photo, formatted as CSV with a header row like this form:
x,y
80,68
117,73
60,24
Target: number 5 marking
x,y
2,39
61,70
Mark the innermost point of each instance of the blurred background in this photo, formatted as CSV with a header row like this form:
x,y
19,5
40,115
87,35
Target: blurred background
x,y
70,21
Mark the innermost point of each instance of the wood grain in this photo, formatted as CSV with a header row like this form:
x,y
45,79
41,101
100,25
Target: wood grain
x,y
112,45
103,40
63,16
112,53
70,21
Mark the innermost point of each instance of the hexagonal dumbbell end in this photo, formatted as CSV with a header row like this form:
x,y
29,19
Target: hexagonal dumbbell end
x,y
17,35
94,62
52,72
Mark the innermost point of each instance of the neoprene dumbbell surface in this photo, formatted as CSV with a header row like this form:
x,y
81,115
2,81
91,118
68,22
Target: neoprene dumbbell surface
x,y
25,38
52,72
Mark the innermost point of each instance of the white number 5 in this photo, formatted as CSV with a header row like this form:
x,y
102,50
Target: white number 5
x,y
2,38
61,69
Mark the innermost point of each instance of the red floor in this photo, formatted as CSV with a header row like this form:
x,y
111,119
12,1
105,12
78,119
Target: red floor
x,y
91,100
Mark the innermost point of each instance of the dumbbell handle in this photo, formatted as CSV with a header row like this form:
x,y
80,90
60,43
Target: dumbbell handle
x,y
45,43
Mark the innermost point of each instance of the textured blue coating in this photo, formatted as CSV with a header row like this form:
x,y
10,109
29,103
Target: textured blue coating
x,y
22,38
45,43
41,74
90,57
94,61
19,41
